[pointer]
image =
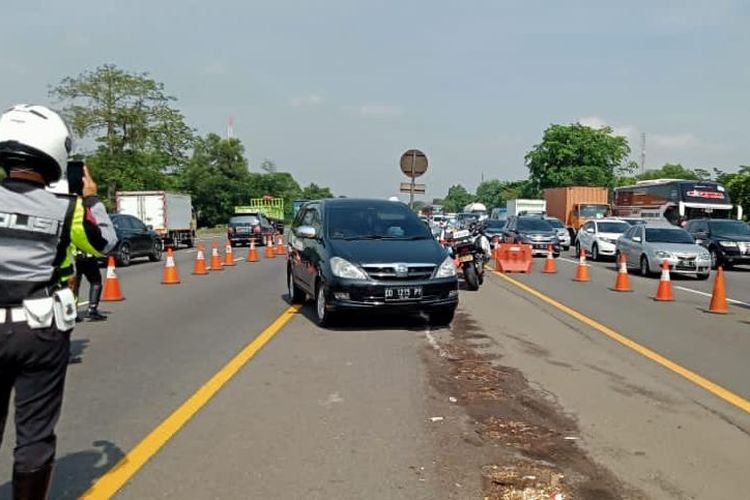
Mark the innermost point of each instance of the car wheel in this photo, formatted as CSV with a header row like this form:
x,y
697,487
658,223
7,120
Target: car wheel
x,y
322,314
645,270
703,276
714,258
155,255
595,252
296,295
443,317
189,242
578,248
123,255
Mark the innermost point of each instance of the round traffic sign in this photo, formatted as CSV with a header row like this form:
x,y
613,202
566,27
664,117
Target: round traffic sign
x,y
413,163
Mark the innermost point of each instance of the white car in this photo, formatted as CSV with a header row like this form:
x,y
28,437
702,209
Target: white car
x,y
562,231
598,238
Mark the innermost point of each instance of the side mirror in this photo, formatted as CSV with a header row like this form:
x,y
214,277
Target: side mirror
x,y
150,227
637,239
590,230
306,232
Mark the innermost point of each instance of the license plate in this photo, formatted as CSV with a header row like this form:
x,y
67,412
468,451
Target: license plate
x,y
466,258
403,293
461,234
686,264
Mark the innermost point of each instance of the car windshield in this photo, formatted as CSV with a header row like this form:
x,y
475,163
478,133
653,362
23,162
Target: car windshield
x,y
533,224
668,235
556,223
495,225
728,228
391,221
593,211
613,227
244,220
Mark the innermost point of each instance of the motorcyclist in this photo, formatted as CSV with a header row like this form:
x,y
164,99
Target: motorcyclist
x,y
37,310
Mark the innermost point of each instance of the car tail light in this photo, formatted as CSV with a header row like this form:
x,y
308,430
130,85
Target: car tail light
x,y
230,230
256,229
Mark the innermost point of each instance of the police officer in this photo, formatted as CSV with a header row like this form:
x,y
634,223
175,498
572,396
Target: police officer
x,y
37,313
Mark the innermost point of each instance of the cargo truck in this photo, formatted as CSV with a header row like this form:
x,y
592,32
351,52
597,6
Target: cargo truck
x,y
170,215
525,207
575,205
272,208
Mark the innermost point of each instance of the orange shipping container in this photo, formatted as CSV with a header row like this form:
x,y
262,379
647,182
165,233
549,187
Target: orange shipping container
x,y
575,205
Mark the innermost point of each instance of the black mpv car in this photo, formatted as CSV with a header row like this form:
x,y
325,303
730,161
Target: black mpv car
x,y
369,255
727,240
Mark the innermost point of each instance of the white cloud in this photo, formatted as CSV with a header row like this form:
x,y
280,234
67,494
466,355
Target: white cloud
x,y
378,110
305,101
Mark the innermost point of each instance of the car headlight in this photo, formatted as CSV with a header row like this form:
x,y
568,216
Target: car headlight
x,y
704,256
608,240
732,244
662,254
342,268
447,269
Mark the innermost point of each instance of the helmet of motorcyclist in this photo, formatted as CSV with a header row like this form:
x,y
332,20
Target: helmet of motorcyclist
x,y
35,137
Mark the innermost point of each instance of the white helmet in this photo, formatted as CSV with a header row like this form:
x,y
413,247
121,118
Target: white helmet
x,y
37,136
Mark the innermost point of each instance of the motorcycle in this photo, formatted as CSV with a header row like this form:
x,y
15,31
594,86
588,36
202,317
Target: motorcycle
x,y
472,249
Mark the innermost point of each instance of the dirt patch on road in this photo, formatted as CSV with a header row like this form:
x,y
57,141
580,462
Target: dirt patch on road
x,y
528,443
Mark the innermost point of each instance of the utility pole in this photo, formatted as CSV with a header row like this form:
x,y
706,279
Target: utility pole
x,y
230,128
643,152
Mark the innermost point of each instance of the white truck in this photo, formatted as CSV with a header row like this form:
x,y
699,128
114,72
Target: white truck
x,y
170,215
525,206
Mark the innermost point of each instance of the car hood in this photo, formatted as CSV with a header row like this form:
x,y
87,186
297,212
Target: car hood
x,y
677,247
732,237
543,234
613,236
386,251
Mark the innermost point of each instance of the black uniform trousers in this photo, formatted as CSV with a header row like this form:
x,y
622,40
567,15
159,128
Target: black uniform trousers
x,y
34,363
89,267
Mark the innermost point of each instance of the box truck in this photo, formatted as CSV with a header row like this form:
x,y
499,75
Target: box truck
x,y
525,207
574,205
170,215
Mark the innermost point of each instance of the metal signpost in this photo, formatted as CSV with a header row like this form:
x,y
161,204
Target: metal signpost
x,y
413,164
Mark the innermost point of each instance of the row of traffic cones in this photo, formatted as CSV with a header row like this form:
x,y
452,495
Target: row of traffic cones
x,y
112,291
664,292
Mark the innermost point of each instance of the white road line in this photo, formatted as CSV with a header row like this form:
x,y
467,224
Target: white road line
x,y
84,303
239,258
708,295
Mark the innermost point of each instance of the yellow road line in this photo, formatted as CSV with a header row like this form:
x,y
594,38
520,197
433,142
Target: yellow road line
x,y
703,382
129,465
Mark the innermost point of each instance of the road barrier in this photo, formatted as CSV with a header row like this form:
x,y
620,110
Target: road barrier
x,y
549,262
228,254
170,270
200,261
269,248
664,291
215,258
582,269
513,258
252,253
718,303
111,292
622,283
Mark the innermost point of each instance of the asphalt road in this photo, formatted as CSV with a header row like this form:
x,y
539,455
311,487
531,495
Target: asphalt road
x,y
375,408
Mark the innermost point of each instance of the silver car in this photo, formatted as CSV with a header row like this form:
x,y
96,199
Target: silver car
x,y
562,231
646,246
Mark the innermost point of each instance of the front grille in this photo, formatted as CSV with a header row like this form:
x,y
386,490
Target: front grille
x,y
399,272
686,256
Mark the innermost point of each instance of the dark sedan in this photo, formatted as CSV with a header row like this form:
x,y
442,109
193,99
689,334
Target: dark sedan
x,y
727,240
247,227
135,239
369,255
534,231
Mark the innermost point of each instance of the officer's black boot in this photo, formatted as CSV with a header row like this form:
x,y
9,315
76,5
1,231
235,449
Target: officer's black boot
x,y
32,485
95,292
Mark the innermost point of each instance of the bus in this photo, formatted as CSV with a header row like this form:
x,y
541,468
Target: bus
x,y
674,200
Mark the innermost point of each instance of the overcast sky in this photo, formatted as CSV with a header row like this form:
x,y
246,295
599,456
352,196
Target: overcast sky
x,y
334,91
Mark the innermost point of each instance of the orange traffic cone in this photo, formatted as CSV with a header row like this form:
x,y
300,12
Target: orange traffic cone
x,y
200,261
269,247
549,262
582,270
622,283
664,292
170,270
280,250
215,259
228,254
719,296
252,254
111,292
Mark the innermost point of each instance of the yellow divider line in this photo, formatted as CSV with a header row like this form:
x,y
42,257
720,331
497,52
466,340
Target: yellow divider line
x,y
130,464
703,382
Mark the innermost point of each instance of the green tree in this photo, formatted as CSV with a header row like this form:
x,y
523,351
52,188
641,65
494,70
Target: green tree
x,y
141,137
669,171
738,186
495,193
268,166
315,192
575,154
217,177
276,184
457,198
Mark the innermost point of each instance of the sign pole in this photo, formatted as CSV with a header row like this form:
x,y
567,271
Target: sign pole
x,y
411,191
